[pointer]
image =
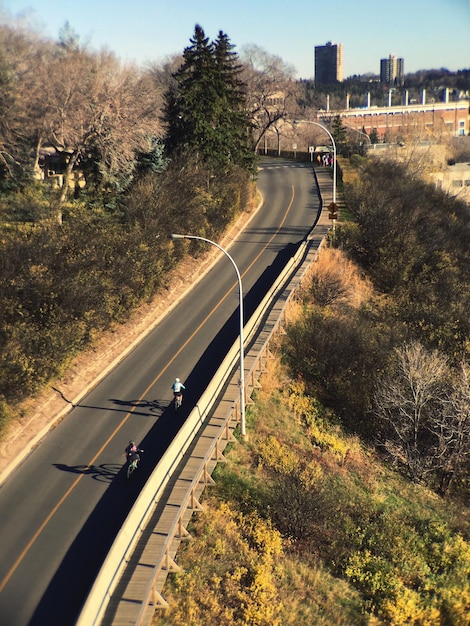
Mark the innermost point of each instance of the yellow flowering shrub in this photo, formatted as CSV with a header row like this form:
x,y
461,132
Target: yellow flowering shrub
x,y
277,456
320,430
230,575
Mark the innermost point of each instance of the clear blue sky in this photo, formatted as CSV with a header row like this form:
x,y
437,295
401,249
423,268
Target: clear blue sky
x,y
428,34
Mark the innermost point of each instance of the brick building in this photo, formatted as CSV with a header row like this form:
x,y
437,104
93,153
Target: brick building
x,y
438,119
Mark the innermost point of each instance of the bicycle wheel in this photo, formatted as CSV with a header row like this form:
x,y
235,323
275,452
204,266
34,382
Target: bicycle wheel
x,y
130,468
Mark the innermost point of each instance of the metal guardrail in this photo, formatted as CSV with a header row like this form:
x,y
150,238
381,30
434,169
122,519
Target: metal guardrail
x,y
281,292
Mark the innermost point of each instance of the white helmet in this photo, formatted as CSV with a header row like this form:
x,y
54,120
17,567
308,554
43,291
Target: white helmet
x,y
177,380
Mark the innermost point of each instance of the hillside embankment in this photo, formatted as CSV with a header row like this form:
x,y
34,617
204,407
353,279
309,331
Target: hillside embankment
x,y
306,522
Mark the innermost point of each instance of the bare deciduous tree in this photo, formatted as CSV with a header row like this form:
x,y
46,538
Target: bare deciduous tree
x,y
163,76
83,104
408,398
452,429
328,287
100,108
271,90
23,112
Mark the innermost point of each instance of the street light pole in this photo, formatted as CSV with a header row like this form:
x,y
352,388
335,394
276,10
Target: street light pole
x,y
241,382
360,132
334,150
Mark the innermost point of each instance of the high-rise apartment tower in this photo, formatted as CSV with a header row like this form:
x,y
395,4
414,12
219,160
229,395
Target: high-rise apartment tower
x,y
329,63
392,70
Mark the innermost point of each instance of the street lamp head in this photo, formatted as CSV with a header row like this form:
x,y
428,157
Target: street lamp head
x,y
176,236
334,149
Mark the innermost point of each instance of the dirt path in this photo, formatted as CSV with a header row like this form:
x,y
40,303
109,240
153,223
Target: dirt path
x,y
43,412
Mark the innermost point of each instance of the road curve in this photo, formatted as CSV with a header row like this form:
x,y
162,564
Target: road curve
x,y
62,508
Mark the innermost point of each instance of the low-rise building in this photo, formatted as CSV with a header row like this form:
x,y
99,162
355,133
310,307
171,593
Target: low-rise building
x,y
455,180
437,119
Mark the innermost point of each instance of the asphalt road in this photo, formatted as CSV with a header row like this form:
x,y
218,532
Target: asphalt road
x,y
61,509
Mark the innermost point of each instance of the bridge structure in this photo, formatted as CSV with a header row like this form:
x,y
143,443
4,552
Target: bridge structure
x,y
129,586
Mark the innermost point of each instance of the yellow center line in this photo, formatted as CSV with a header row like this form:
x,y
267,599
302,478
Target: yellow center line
x,y
33,539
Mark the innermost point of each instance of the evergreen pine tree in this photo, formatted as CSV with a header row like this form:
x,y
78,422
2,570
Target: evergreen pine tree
x,y
190,103
339,134
205,109
234,122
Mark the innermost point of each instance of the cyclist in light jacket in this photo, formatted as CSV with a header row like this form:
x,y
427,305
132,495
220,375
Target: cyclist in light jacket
x,y
177,387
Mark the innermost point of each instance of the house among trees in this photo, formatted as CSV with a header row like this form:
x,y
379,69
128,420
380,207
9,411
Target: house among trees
x,y
52,166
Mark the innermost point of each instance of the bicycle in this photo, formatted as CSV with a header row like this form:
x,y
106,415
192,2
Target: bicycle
x,y
178,400
177,388
133,462
131,467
